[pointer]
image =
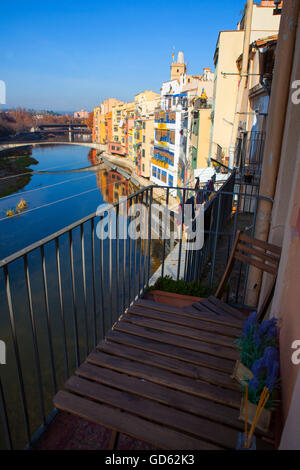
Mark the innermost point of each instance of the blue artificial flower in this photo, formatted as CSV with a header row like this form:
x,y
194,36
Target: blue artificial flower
x,y
265,326
272,332
258,367
254,383
271,355
257,339
249,324
272,376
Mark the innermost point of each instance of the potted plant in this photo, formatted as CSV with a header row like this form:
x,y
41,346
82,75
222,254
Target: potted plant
x,y
265,377
255,338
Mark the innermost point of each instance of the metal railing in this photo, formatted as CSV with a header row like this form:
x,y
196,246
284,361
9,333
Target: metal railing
x,y
249,155
60,295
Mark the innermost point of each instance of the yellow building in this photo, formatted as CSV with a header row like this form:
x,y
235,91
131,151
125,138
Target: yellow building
x,y
228,50
145,103
100,131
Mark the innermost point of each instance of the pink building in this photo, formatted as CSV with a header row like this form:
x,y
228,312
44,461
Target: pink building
x,y
81,114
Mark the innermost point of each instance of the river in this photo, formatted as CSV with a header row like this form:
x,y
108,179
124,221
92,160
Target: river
x,y
58,194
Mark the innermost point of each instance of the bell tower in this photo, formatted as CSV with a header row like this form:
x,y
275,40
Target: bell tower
x,y
179,67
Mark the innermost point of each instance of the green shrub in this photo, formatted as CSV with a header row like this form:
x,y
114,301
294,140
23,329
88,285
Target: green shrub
x,y
194,288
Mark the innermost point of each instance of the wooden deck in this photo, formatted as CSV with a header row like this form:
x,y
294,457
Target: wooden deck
x,y
162,375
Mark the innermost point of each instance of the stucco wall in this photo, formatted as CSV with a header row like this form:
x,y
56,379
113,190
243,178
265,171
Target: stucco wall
x,y
226,88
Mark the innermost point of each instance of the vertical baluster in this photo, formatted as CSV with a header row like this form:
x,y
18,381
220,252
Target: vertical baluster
x,y
212,272
149,236
117,263
3,410
34,339
49,332
17,355
146,231
181,236
84,289
124,255
110,215
62,312
102,276
164,234
134,260
130,256
141,243
75,319
94,281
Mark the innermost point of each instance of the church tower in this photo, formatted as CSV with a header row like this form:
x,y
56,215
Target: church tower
x,y
179,67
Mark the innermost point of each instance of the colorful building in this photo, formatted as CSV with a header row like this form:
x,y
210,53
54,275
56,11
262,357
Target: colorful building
x,y
102,130
145,104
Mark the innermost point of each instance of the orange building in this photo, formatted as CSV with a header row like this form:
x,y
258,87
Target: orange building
x,y
108,126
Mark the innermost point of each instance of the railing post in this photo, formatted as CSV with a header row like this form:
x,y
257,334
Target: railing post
x,y
181,235
164,234
34,339
17,355
84,289
5,418
94,281
49,332
149,236
75,319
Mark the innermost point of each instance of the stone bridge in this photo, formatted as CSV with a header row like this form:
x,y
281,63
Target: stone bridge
x,y
10,145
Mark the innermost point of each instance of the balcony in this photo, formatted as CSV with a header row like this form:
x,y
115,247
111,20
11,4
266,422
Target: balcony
x,y
88,295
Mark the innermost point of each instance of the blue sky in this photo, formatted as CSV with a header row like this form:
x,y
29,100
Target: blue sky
x,y
68,55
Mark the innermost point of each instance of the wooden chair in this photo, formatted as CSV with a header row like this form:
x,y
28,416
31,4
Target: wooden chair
x,y
254,252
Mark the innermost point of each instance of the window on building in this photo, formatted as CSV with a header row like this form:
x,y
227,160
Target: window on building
x,y
113,147
144,125
143,167
164,176
144,139
194,158
171,180
143,153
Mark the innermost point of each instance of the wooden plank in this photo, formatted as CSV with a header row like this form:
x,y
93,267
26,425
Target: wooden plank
x,y
266,246
174,398
177,319
170,364
257,264
113,441
169,379
260,254
168,350
228,309
128,424
190,312
186,343
217,308
200,428
186,332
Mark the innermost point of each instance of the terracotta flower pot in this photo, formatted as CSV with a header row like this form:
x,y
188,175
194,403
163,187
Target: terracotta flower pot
x,y
264,420
241,373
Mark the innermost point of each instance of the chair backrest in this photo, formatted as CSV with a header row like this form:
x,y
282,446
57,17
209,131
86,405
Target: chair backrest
x,y
258,253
